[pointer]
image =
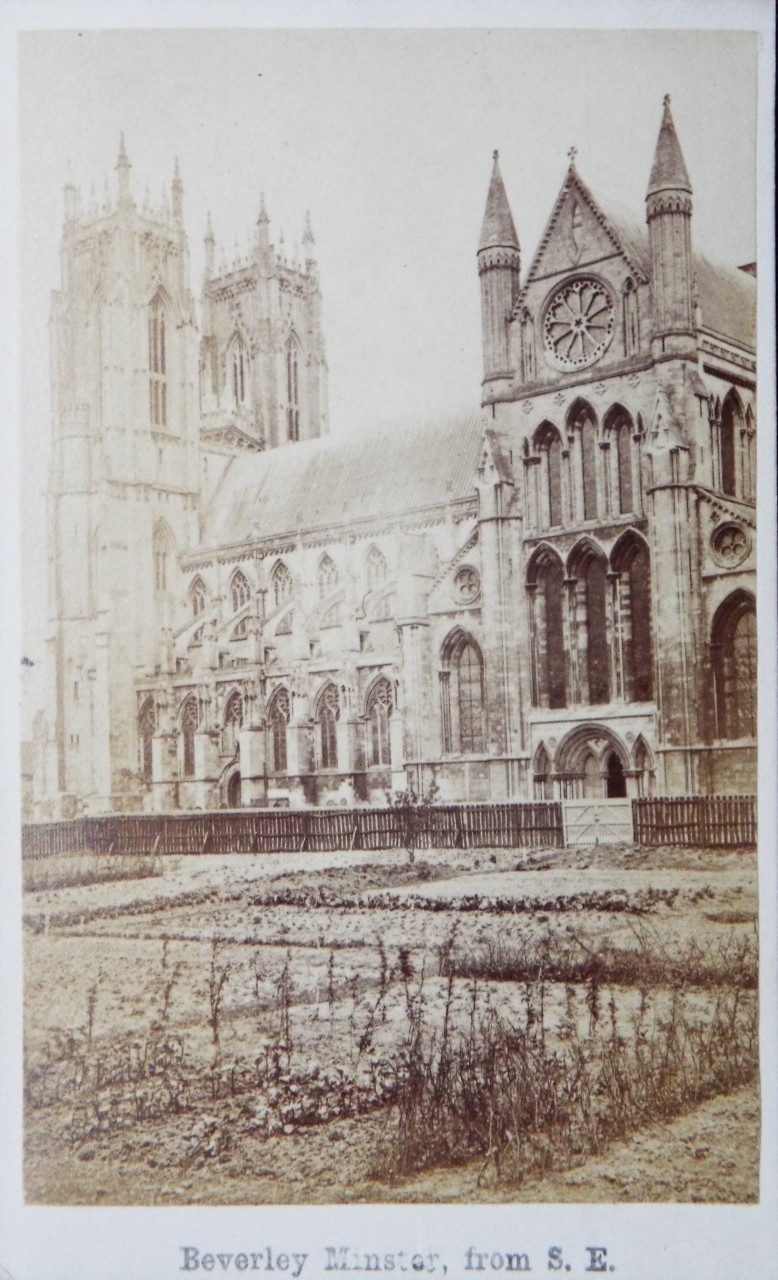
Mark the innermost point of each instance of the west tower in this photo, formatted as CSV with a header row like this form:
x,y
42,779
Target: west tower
x,y
124,476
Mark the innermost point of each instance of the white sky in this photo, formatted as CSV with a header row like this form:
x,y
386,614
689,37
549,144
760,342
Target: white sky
x,y
387,137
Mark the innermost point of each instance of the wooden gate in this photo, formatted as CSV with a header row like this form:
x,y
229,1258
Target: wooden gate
x,y
599,821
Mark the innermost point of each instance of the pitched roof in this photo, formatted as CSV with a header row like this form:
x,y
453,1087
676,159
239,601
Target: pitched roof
x,y
497,230
727,295
668,172
322,483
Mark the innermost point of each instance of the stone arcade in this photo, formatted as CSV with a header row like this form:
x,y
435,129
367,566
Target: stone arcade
x,y
551,598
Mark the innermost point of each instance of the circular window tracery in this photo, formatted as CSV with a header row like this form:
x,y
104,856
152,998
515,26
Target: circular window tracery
x,y
578,324
467,585
731,544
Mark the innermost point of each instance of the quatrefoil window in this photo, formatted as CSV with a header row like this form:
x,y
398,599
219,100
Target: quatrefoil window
x,y
467,585
578,324
731,544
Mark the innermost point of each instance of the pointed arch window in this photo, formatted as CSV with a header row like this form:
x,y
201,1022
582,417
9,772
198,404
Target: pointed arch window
x,y
197,597
549,444
233,722
157,363
379,711
240,372
462,697
281,584
729,432
630,318
189,724
547,602
591,628
292,389
327,716
631,562
619,433
240,591
161,553
589,468
735,667
147,724
527,347
328,577
377,569
278,722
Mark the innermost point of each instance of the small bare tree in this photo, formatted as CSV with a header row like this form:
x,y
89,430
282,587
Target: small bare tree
x,y
413,810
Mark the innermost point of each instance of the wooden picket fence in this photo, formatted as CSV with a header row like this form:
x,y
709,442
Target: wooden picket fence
x,y
726,822
462,826
703,821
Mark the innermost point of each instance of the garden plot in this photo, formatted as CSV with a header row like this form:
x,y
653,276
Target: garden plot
x,y
245,1013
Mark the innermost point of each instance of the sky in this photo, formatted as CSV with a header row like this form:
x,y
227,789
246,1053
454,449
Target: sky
x,y
387,138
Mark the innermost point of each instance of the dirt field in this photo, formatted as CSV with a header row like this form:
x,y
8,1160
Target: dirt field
x,y
242,1029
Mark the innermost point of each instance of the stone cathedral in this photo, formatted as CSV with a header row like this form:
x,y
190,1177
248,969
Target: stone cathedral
x,y
551,598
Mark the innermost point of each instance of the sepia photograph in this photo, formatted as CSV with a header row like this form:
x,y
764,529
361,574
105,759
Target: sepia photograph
x,y
388,468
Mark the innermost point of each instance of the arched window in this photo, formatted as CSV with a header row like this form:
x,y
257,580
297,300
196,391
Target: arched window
x,y
632,563
630,317
328,577
240,372
377,569
543,786
147,723
527,347
278,720
161,555
240,630
189,722
734,667
546,588
292,390
240,591
281,583
233,722
197,597
729,431
582,420
549,444
749,457
157,364
593,653
379,710
327,716
619,431
589,468
462,696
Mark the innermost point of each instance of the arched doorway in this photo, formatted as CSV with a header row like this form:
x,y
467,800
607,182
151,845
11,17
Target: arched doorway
x,y
233,791
615,781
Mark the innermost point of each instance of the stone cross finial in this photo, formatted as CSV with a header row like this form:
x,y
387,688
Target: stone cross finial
x,y
572,153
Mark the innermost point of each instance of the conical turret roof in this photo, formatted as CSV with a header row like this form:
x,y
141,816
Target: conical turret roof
x,y
668,172
497,230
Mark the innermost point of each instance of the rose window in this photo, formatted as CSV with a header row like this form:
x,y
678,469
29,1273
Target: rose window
x,y
578,324
467,585
731,544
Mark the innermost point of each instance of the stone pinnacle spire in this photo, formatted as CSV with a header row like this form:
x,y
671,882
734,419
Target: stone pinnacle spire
x,y
498,230
123,171
668,172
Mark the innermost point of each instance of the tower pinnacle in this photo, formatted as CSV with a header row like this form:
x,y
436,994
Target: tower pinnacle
x,y
123,172
498,230
668,172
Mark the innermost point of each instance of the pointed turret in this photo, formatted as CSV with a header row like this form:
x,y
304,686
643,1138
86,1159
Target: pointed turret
x,y
71,195
498,230
499,263
669,215
668,172
263,227
177,193
308,242
123,173
210,247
